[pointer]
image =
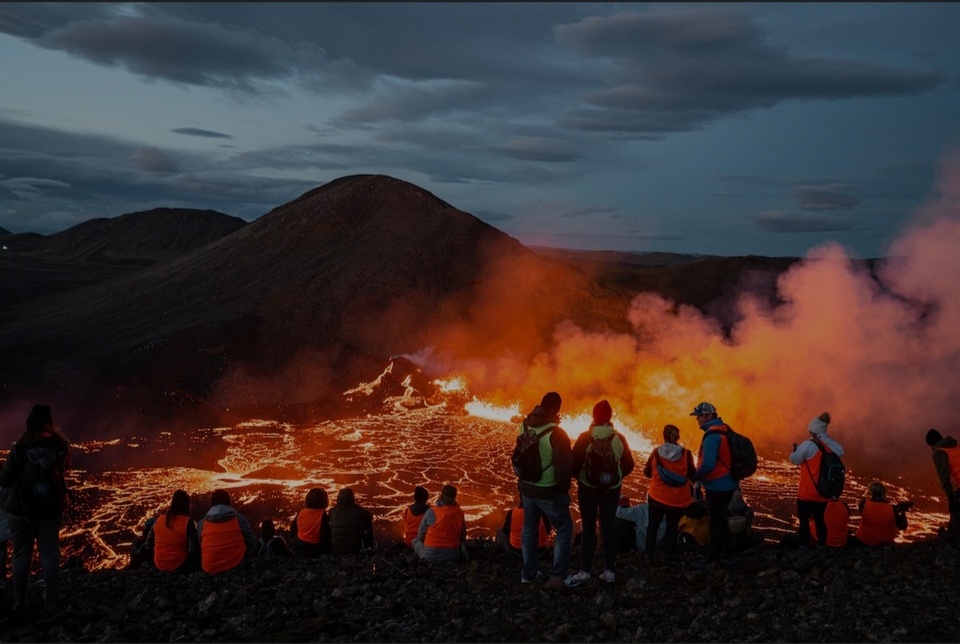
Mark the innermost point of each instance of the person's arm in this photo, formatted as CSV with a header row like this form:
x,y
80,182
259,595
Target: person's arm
x,y
507,521
148,540
711,447
803,452
429,518
648,468
562,459
900,517
626,459
249,536
579,452
691,468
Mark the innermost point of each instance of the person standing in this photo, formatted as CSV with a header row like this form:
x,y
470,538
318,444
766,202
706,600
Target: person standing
x,y
442,535
810,503
946,458
670,469
713,475
594,498
549,494
35,473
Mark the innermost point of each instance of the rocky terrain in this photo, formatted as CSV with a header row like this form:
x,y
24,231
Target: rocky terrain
x,y
901,593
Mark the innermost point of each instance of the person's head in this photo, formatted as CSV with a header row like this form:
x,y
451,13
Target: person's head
x,y
346,497
818,426
704,412
39,419
551,403
317,499
933,437
671,434
602,413
220,497
877,492
420,494
267,530
180,503
448,494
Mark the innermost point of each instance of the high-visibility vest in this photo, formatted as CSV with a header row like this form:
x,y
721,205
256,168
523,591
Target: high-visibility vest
x,y
877,524
516,530
722,466
674,497
445,533
809,473
308,524
411,526
221,545
953,454
170,543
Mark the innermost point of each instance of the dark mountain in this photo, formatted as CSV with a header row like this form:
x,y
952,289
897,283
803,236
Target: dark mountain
x,y
4,231
318,289
35,265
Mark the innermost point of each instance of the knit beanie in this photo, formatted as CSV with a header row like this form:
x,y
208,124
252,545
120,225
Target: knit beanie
x,y
819,424
933,437
551,403
602,413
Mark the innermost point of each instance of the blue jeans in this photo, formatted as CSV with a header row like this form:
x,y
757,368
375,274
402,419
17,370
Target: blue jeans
x,y
557,509
46,533
593,501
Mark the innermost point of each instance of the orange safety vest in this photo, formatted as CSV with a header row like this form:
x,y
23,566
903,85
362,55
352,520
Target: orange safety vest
x,y
308,524
836,517
722,466
445,533
674,497
411,524
877,524
953,453
809,473
516,530
221,545
170,543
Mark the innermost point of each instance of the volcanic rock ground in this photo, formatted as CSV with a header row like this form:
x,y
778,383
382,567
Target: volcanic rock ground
x,y
901,593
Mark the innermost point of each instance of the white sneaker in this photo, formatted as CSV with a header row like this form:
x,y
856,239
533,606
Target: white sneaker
x,y
608,576
576,579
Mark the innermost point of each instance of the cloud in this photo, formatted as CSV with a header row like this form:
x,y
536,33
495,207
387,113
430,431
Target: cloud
x,y
151,159
829,197
413,102
535,148
784,221
675,70
194,131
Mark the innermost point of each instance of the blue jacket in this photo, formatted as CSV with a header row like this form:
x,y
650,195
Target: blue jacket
x,y
709,448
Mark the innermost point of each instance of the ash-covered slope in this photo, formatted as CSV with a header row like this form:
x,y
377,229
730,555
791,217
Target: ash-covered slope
x,y
363,267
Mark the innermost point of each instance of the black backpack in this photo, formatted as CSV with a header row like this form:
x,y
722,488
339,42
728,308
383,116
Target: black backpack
x,y
602,467
743,455
41,487
833,474
526,454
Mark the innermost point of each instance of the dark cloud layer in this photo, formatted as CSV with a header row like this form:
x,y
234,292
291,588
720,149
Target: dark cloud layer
x,y
195,131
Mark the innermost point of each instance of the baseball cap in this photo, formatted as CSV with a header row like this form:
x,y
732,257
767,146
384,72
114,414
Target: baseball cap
x,y
703,408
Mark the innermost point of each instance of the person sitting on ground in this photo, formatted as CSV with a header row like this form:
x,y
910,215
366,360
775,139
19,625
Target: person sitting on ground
x,y
141,551
639,516
694,528
227,541
310,529
413,515
509,535
173,537
741,522
351,526
837,518
271,543
670,468
879,520
443,532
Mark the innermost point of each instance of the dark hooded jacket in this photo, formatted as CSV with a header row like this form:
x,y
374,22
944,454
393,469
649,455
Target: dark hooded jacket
x,y
562,468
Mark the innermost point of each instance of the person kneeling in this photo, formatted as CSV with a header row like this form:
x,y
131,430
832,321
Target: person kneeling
x,y
443,530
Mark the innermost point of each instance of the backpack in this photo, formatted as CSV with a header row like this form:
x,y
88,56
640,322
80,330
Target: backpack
x,y
743,455
832,473
602,467
41,487
668,477
526,454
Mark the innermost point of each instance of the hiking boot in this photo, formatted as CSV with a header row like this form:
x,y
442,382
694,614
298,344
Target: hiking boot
x,y
608,576
576,579
554,583
541,576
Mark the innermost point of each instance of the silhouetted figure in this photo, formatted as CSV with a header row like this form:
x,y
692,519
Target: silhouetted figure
x,y
271,543
880,521
351,526
413,515
670,470
946,458
810,503
173,537
227,541
310,530
510,535
442,535
713,475
35,473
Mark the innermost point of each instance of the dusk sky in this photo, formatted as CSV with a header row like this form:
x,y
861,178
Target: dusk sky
x,y
726,129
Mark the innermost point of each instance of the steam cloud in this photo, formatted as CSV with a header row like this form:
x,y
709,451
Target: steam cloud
x,y
880,352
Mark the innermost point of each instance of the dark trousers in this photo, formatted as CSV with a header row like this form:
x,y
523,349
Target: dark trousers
x,y
721,541
593,501
815,509
657,512
46,534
